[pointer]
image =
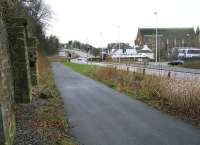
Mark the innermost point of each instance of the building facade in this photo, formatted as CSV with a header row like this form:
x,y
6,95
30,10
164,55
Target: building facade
x,y
198,37
168,38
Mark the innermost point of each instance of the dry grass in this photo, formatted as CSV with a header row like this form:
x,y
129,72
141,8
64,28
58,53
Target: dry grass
x,y
56,58
182,95
45,74
177,97
55,108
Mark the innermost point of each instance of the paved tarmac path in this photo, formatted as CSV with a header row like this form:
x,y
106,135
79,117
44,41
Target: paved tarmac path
x,y
102,116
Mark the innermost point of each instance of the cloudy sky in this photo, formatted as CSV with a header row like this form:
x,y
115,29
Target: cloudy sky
x,y
99,22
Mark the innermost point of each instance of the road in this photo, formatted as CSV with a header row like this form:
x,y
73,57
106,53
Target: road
x,y
102,116
175,72
152,69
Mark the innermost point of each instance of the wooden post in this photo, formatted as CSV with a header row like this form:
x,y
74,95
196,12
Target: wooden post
x,y
143,71
169,74
127,69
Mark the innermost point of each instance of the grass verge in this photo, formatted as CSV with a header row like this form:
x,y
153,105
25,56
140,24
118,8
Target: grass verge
x,y
54,109
180,98
194,64
81,68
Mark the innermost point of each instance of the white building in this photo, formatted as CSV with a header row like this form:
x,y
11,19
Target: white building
x,y
61,53
147,52
133,53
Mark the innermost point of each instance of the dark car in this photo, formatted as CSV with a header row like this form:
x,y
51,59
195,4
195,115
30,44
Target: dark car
x,y
176,62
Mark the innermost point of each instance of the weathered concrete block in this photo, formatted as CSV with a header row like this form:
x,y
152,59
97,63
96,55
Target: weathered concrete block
x,y
33,60
17,35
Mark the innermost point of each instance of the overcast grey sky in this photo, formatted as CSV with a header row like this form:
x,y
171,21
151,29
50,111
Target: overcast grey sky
x,y
86,20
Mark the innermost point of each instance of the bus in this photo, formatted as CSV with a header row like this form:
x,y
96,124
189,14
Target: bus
x,y
188,53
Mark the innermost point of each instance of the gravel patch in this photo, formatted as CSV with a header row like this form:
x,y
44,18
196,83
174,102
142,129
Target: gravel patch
x,y
40,123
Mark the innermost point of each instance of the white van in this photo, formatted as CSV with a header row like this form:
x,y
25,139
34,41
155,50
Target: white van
x,y
189,53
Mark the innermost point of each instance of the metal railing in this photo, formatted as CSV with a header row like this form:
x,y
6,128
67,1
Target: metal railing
x,y
160,70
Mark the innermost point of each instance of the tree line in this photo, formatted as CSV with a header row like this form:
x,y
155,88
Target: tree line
x,y
38,15
83,47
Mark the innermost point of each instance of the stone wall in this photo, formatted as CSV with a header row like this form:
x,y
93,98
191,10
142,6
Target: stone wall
x,y
7,120
17,34
18,68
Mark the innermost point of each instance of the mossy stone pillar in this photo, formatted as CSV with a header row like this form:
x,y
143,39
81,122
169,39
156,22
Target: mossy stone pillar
x,y
33,60
7,119
17,34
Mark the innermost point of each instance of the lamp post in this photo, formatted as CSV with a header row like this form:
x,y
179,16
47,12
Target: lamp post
x,y
118,26
87,42
101,34
155,13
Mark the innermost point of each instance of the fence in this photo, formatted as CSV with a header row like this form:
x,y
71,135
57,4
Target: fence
x,y
160,70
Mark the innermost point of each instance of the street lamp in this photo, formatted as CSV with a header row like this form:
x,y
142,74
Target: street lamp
x,y
101,34
156,14
118,26
87,46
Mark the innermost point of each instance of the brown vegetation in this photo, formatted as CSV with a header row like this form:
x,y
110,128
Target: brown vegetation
x,y
56,58
177,97
55,109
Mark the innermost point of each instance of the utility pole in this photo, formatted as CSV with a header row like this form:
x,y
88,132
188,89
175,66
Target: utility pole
x,y
155,13
101,35
118,26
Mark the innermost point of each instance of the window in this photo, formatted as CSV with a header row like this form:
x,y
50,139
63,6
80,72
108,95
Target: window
x,y
194,51
181,51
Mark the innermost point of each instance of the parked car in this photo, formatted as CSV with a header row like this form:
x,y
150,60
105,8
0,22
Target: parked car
x,y
176,62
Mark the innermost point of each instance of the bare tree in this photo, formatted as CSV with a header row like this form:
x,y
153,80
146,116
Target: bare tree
x,y
38,10
38,15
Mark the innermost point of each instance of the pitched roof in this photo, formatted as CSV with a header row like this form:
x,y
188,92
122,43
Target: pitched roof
x,y
122,46
146,48
177,32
